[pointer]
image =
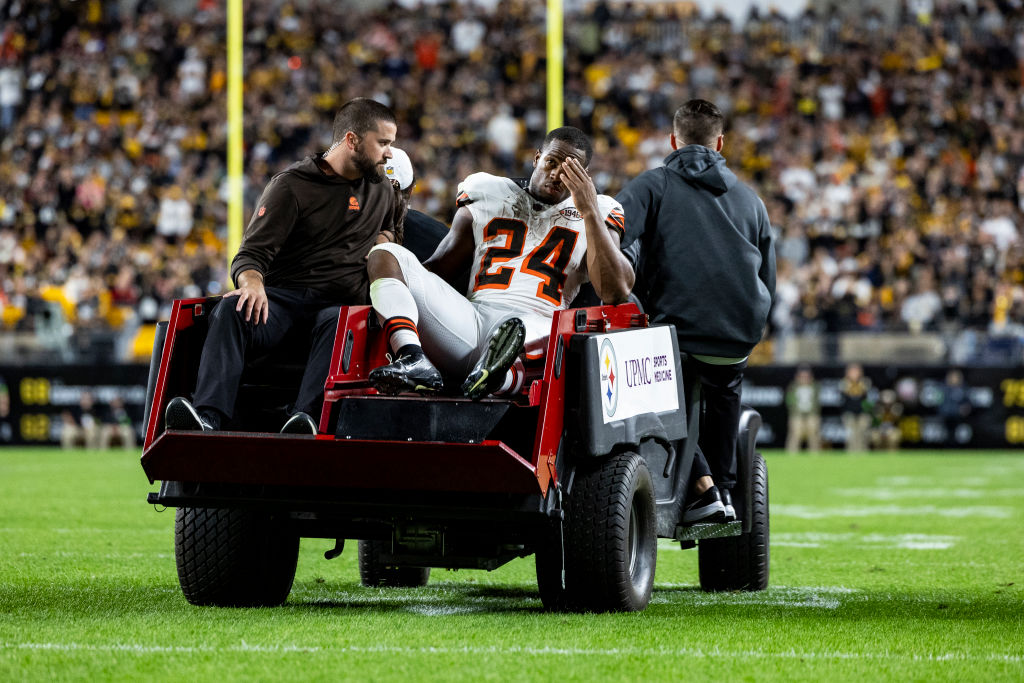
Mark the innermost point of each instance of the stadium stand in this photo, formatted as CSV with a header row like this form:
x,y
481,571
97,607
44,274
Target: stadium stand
x,y
890,148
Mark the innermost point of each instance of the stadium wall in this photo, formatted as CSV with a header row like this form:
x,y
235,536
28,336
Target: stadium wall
x,y
994,405
39,396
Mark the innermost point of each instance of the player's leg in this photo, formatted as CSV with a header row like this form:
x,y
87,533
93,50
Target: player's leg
x,y
538,333
423,316
499,368
392,299
511,356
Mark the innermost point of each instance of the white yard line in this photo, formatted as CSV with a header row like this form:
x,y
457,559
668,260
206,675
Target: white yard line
x,y
933,494
512,650
820,597
106,556
875,541
905,480
115,531
957,512
665,592
445,610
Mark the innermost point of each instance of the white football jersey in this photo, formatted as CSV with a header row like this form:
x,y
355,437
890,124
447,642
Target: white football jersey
x,y
529,255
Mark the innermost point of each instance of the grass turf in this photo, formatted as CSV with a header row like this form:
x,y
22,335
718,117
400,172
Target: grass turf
x,y
904,567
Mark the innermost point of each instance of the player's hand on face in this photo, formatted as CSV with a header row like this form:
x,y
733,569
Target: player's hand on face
x,y
580,184
252,298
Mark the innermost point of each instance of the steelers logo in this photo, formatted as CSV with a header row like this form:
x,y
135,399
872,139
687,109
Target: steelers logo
x,y
609,378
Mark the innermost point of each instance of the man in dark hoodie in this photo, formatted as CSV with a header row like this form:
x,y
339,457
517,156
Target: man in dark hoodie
x,y
701,244
302,256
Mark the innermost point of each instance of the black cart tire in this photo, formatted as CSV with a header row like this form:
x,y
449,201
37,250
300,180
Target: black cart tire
x,y
610,541
740,563
374,573
233,558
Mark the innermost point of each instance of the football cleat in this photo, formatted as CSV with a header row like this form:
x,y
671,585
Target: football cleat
x,y
412,371
181,415
299,423
500,353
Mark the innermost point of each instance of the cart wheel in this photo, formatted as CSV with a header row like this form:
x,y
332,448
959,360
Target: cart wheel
x,y
233,558
610,542
740,562
373,572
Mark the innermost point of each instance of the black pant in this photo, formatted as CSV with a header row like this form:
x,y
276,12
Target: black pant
x,y
231,339
719,418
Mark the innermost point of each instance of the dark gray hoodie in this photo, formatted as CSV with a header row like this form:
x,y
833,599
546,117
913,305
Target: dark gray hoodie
x,y
701,244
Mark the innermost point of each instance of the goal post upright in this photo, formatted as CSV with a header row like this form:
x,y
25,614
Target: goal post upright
x,y
555,104
555,74
235,133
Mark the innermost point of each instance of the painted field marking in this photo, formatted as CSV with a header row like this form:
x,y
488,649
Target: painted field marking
x,y
905,480
86,530
823,597
927,493
72,592
1005,468
105,556
850,539
432,603
813,512
516,650
445,610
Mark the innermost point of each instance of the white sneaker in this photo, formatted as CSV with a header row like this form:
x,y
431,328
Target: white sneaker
x,y
730,511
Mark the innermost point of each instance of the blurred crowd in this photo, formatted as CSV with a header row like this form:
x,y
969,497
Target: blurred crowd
x,y
890,152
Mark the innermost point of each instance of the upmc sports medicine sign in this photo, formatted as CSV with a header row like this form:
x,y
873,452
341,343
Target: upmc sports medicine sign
x,y
638,371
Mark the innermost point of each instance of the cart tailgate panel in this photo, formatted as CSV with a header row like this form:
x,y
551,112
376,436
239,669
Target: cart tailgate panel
x,y
288,460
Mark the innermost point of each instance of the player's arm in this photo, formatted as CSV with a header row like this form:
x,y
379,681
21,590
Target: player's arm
x,y
608,269
393,228
453,255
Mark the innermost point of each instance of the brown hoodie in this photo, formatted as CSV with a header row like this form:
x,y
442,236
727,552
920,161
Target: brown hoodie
x,y
311,230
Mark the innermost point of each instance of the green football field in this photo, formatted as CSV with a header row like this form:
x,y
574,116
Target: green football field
x,y
891,567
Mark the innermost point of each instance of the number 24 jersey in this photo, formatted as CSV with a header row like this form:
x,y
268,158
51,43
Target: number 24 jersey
x,y
529,255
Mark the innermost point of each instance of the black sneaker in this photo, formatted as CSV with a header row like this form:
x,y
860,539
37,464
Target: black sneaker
x,y
707,508
502,349
181,415
411,371
299,423
730,511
